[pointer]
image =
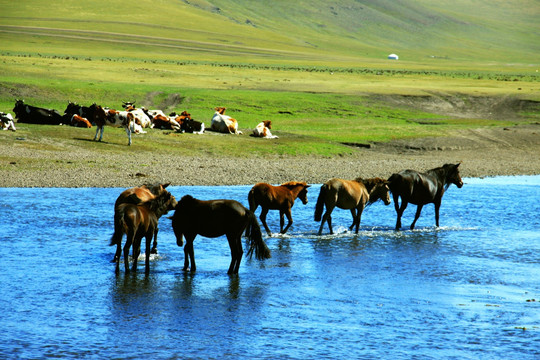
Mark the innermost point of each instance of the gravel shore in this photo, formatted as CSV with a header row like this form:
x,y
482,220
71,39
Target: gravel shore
x,y
482,152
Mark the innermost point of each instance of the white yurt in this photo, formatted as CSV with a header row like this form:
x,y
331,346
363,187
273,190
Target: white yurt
x,y
393,57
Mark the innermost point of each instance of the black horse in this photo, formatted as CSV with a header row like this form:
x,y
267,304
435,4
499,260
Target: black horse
x,y
215,218
422,188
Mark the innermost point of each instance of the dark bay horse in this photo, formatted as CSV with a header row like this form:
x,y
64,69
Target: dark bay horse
x,y
422,188
277,198
137,195
214,218
138,221
349,194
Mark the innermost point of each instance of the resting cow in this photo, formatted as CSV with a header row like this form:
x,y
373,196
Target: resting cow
x,y
263,130
224,123
35,115
187,124
6,121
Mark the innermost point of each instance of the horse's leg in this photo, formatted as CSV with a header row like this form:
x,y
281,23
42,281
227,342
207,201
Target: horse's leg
x,y
235,244
399,209
154,246
418,210
189,255
289,219
360,210
437,207
327,217
129,241
264,212
136,252
353,213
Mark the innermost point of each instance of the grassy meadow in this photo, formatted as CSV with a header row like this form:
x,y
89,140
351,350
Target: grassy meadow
x,y
317,70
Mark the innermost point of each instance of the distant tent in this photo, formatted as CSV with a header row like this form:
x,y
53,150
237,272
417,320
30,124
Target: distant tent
x,y
393,57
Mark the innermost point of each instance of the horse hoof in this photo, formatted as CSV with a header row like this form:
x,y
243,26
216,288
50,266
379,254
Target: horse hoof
x,y
153,251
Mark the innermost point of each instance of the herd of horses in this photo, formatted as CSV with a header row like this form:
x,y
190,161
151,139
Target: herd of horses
x,y
137,211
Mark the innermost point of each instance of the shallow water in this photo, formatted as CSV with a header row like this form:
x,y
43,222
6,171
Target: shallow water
x,y
470,289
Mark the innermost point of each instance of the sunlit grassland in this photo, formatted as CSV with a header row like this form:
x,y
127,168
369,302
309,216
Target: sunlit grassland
x,y
319,72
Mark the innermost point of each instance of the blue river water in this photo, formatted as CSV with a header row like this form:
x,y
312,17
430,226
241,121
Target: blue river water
x,y
467,290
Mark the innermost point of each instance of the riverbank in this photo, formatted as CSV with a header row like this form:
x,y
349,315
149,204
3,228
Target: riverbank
x,y
482,152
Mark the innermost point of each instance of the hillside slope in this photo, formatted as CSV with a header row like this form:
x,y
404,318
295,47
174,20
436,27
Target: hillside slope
x,y
300,31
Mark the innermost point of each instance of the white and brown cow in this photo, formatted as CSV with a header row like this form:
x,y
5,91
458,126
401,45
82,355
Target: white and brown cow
x,y
110,117
79,121
224,123
6,121
263,130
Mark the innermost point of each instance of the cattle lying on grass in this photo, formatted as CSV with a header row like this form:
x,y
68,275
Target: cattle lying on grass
x,y
6,121
224,123
187,124
79,121
36,115
263,130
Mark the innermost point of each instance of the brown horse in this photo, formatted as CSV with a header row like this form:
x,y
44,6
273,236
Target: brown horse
x,y
138,221
349,194
215,218
137,195
422,188
277,198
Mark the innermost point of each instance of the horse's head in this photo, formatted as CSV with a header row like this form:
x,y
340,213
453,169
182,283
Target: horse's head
x,y
381,191
302,195
452,175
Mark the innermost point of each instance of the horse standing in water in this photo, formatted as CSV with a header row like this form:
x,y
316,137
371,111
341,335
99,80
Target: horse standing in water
x,y
349,194
138,221
137,195
277,198
214,218
422,188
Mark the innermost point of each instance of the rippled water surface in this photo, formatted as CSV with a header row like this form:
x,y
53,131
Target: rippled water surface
x,y
470,289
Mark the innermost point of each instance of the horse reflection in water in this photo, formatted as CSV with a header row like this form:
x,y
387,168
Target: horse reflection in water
x,y
137,195
349,194
422,188
277,198
138,221
214,218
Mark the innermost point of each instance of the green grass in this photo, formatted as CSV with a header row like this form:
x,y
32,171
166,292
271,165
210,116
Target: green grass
x,y
318,70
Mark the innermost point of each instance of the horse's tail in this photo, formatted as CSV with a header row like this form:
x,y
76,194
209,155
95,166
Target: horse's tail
x,y
320,203
255,240
393,182
251,200
116,238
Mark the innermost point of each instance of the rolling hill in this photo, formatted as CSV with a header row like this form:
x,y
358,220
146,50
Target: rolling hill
x,y
314,32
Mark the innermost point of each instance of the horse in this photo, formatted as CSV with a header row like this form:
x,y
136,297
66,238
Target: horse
x,y
137,195
138,221
422,188
277,198
354,195
214,218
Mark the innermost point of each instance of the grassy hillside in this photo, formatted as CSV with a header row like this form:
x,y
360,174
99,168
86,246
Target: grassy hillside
x,y
315,31
306,65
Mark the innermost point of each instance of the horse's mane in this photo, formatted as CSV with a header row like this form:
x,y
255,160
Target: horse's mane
x,y
370,185
157,204
294,183
155,188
